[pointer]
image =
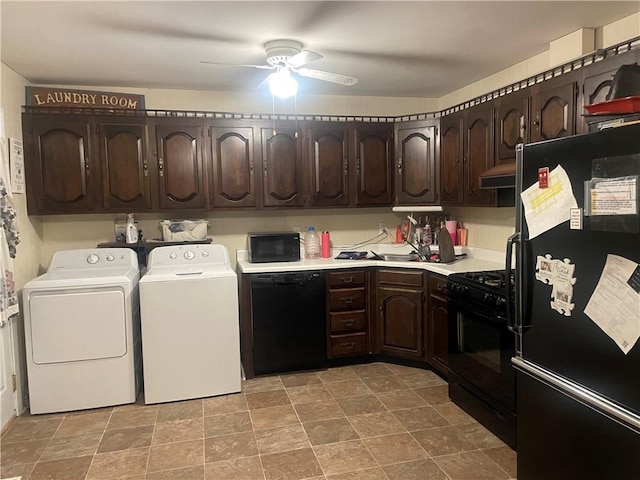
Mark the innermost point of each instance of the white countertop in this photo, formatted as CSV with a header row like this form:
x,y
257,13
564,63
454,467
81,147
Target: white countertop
x,y
477,259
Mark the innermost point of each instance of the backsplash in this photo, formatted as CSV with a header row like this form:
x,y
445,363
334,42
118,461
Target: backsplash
x,y
488,227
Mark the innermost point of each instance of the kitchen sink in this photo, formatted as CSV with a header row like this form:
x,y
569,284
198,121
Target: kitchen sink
x,y
398,257
412,257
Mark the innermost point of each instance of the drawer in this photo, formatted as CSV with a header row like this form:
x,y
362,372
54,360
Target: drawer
x,y
348,321
347,299
401,277
346,278
437,284
341,345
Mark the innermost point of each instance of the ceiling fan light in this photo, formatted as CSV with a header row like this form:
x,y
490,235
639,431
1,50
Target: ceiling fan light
x,y
282,84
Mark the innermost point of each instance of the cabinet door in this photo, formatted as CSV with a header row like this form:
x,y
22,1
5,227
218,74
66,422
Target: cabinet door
x,y
401,325
416,175
372,158
61,174
512,119
328,155
553,108
283,177
232,182
438,333
123,150
451,164
180,169
597,80
478,151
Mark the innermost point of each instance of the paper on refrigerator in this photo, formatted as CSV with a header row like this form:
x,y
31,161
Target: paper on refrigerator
x,y
615,305
546,208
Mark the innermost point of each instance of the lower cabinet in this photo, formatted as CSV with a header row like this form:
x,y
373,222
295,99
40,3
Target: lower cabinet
x,y
347,325
437,320
401,312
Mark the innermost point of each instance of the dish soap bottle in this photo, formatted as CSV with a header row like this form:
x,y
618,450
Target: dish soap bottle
x,y
132,231
311,244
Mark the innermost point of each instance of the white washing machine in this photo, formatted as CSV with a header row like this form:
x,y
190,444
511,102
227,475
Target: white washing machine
x,y
190,323
82,331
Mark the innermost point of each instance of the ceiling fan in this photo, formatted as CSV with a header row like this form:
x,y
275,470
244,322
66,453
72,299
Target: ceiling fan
x,y
287,56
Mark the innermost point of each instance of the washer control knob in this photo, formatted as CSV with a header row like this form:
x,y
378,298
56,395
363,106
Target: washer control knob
x,y
205,253
110,258
189,255
173,255
93,259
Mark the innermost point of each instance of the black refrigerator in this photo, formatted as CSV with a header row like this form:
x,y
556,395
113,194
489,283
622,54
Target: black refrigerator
x,y
577,307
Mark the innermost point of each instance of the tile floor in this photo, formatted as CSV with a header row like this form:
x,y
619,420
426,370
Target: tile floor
x,y
367,422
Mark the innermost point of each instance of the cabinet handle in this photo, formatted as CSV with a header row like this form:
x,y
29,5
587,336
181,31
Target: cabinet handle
x,y
345,166
264,167
347,279
400,165
348,322
441,287
348,300
145,168
251,167
161,166
348,345
87,167
357,167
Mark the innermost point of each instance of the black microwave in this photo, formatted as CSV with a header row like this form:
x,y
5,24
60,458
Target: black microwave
x,y
274,247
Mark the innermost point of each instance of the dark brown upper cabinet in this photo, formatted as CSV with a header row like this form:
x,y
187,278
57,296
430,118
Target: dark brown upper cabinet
x,y
122,147
372,164
597,80
283,182
62,174
451,158
179,169
416,170
477,125
327,151
233,164
553,108
466,151
512,124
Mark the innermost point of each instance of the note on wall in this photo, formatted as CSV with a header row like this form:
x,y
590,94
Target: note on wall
x,y
615,304
546,208
16,159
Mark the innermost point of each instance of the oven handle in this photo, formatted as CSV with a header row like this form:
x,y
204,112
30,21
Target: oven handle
x,y
512,321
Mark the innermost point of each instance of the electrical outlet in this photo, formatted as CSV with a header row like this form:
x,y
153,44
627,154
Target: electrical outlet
x,y
382,228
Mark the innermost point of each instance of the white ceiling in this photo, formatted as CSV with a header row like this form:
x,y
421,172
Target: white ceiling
x,y
417,48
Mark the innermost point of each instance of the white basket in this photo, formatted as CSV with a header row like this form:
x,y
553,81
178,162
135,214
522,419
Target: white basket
x,y
184,230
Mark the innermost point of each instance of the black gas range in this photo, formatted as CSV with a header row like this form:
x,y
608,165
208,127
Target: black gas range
x,y
481,345
486,290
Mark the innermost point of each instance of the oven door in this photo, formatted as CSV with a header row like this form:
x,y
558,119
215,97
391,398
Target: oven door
x,y
480,352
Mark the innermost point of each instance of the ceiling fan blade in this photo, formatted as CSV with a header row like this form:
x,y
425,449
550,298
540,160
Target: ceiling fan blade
x,y
264,67
304,57
327,76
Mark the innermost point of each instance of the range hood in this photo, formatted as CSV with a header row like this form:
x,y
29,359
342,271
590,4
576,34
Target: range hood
x,y
500,176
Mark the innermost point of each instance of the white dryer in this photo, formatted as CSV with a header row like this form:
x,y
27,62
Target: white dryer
x,y
82,331
190,323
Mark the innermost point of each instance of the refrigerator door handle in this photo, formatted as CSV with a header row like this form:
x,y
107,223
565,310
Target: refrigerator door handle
x,y
512,318
586,397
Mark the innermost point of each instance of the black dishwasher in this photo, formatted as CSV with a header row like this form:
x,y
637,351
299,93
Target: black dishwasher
x,y
289,331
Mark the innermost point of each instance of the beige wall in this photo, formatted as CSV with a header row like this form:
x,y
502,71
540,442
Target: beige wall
x,y
29,254
562,50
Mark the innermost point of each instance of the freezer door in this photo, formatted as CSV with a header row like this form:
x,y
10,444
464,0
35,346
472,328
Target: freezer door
x,y
563,434
573,345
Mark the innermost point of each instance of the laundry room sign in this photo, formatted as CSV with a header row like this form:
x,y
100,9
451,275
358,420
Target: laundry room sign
x,y
58,97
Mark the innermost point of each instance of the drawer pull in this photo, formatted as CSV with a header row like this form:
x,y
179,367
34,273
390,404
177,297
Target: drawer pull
x,y
348,322
347,279
348,300
348,345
